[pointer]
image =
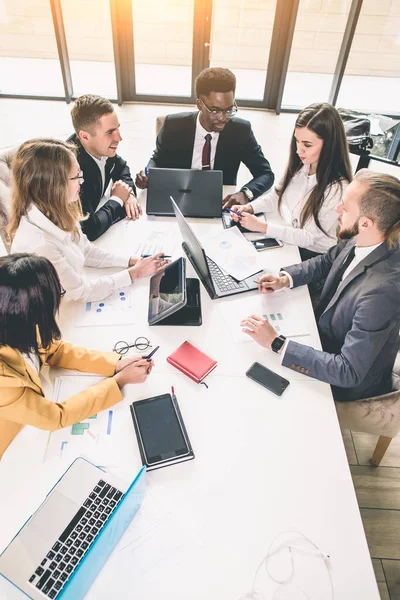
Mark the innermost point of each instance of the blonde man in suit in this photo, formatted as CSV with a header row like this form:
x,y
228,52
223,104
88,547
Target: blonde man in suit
x,y
30,294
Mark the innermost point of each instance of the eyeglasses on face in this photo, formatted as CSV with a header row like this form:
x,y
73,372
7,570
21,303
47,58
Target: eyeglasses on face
x,y
63,292
218,113
79,176
141,343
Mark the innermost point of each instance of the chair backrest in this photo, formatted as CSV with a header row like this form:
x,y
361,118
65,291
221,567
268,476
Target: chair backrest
x,y
159,123
379,415
6,157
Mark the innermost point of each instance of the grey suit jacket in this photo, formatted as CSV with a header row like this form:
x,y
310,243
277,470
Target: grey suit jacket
x,y
360,326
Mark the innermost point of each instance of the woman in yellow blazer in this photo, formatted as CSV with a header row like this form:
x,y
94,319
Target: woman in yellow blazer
x,y
30,294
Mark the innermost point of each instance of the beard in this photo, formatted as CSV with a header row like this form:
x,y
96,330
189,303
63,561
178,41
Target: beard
x,y
347,234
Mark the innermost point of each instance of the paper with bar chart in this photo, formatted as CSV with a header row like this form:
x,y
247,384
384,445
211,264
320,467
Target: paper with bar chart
x,y
273,308
116,309
95,438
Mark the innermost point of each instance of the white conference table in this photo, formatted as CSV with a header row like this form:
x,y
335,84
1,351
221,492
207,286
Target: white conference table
x,y
264,464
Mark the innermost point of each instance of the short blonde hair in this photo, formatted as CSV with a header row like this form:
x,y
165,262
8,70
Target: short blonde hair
x,y
381,202
40,171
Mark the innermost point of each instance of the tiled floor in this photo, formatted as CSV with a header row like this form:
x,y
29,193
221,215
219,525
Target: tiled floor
x,y
378,489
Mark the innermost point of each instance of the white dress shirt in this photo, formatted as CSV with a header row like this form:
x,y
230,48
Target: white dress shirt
x,y
293,200
101,163
36,233
198,145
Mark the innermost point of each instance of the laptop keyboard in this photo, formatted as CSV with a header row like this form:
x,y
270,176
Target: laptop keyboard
x,y
64,557
225,282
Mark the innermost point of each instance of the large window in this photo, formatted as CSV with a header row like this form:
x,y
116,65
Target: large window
x,y
372,78
29,64
315,49
163,34
285,54
88,34
241,35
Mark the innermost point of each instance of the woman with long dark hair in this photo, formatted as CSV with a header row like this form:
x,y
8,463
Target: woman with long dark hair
x,y
30,294
315,179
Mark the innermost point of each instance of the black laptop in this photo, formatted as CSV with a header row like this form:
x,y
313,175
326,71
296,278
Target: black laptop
x,y
197,193
217,282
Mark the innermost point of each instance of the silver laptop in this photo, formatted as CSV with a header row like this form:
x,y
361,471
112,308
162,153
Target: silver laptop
x,y
63,546
198,193
217,282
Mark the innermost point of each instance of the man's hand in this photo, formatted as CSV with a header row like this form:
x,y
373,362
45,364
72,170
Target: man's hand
x,y
231,199
147,266
121,190
269,283
260,330
141,180
135,370
132,208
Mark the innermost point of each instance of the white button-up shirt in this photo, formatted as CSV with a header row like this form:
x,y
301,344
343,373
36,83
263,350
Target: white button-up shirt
x,y
36,233
198,145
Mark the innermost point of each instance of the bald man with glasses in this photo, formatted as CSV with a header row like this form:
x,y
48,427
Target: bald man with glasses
x,y
213,138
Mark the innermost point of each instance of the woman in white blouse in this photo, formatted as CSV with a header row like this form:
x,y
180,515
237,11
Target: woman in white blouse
x,y
45,216
316,177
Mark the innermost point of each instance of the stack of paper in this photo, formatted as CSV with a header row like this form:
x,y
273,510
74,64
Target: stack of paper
x,y
230,250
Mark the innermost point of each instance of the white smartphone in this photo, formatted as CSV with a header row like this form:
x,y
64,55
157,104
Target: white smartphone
x,y
266,244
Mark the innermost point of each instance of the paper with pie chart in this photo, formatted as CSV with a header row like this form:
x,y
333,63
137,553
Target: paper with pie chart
x,y
230,250
116,309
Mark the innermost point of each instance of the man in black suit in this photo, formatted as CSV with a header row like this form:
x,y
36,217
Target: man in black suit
x,y
97,137
213,139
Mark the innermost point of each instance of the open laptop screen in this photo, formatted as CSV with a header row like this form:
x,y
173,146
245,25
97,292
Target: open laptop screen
x,y
193,245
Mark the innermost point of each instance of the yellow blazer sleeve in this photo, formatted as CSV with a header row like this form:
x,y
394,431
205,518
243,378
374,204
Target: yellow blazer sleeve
x,y
21,404
65,355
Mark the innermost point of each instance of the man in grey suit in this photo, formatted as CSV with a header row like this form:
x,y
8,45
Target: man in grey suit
x,y
359,311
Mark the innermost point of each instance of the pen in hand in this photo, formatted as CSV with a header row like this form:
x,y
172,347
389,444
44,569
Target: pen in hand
x,y
149,356
148,256
234,212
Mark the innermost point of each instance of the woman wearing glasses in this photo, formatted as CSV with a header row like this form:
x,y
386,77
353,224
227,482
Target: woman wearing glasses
x,y
314,182
30,294
45,216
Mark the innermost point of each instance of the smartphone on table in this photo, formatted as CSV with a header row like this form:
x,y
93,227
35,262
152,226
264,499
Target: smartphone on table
x,y
266,244
268,379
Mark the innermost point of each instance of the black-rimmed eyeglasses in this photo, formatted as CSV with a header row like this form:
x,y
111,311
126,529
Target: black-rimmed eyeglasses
x,y
62,292
217,113
141,343
79,176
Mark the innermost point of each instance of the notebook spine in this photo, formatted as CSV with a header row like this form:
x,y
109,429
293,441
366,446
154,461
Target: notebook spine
x,y
183,370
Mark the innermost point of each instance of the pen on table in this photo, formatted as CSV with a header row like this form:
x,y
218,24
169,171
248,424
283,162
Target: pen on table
x,y
173,393
149,356
148,256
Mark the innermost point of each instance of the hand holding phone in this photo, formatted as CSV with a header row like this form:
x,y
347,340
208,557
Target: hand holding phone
x,y
268,379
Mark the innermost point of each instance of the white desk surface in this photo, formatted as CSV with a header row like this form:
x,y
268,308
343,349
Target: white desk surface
x,y
263,465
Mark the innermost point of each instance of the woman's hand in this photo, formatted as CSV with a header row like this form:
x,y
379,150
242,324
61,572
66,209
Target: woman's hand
x,y
250,222
144,267
132,370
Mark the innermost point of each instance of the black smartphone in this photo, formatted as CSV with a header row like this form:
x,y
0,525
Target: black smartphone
x,y
268,379
266,244
160,431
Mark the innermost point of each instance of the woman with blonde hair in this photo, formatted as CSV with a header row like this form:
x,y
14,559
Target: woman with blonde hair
x,y
317,174
45,216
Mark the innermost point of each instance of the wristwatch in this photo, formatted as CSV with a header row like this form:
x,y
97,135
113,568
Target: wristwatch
x,y
278,343
248,193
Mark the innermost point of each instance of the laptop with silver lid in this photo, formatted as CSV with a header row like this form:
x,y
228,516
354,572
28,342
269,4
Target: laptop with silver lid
x,y
217,282
62,547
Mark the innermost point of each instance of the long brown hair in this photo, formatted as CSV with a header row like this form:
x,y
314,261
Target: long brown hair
x,y
333,164
40,171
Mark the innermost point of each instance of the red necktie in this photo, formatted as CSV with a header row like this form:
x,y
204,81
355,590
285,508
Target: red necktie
x,y
206,154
